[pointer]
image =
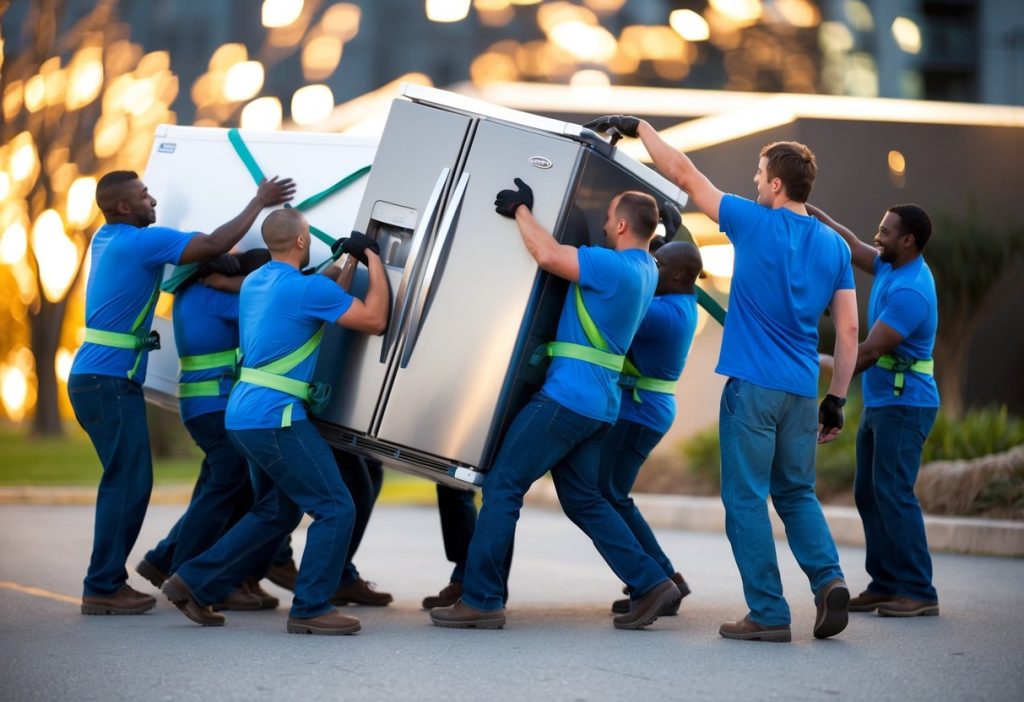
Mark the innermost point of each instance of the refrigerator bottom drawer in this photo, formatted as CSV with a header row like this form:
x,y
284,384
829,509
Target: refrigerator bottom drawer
x,y
400,458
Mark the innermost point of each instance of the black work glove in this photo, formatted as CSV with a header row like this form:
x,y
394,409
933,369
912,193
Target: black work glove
x,y
357,244
626,125
830,415
506,202
671,218
225,264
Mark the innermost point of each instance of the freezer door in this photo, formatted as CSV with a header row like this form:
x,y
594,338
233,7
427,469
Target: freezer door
x,y
461,332
404,198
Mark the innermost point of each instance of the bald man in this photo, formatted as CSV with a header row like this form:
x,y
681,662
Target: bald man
x,y
657,356
281,318
105,385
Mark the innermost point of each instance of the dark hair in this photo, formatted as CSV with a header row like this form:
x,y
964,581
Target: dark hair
x,y
115,178
640,211
914,221
793,164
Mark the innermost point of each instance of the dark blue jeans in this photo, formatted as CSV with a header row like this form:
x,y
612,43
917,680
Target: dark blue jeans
x,y
547,436
113,413
625,448
769,439
292,472
889,445
457,509
221,496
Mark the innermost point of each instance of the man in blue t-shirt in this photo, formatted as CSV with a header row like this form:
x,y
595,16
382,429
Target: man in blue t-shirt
x,y
206,335
900,404
789,268
281,318
658,354
105,384
561,428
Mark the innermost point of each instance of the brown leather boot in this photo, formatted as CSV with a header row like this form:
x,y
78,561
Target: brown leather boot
x,y
906,607
748,630
622,606
267,601
446,598
462,616
333,623
833,615
240,600
360,592
151,573
283,575
124,601
181,597
868,601
649,607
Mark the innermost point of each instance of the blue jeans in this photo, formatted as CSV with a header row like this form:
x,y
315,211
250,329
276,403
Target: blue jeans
x,y
547,436
292,472
221,496
889,444
113,413
626,446
768,440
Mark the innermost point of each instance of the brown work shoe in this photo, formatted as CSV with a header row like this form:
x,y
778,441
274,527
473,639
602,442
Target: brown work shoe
x,y
360,592
748,630
333,623
241,599
446,598
622,606
649,607
462,616
868,601
906,607
267,601
181,597
283,575
124,601
151,573
833,613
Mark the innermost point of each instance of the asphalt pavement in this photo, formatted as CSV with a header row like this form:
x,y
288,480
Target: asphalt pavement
x,y
558,644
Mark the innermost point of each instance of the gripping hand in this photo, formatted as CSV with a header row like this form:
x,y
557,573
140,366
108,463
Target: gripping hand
x,y
508,201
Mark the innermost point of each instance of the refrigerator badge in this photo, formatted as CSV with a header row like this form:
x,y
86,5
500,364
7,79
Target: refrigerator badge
x,y
540,162
166,147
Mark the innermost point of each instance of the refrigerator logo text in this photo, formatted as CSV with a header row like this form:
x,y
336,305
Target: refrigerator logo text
x,y
540,162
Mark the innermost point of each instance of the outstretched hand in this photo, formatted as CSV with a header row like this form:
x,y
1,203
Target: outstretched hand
x,y
626,125
508,201
275,192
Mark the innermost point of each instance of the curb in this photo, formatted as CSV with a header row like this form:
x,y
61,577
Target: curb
x,y
982,537
84,495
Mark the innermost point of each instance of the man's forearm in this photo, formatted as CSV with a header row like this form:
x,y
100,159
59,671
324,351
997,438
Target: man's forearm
x,y
843,365
378,294
231,232
538,240
676,165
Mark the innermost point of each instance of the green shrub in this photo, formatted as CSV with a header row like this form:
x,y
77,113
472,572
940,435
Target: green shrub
x,y
979,432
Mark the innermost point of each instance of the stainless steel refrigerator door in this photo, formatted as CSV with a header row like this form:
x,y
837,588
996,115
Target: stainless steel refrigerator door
x,y
466,319
419,149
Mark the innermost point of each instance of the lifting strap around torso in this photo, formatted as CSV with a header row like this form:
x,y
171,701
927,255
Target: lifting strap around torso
x,y
597,353
272,375
214,387
900,366
137,338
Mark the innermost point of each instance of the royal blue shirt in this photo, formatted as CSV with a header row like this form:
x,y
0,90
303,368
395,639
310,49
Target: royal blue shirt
x,y
617,288
659,350
205,321
279,310
127,264
904,298
787,269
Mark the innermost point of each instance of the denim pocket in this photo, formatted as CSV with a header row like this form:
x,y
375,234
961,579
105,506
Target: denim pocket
x,y
87,402
731,395
570,428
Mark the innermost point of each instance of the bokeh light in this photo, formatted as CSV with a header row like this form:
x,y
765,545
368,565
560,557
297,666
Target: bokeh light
x,y
312,104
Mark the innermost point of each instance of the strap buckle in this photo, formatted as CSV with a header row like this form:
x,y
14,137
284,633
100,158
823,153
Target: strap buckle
x,y
147,342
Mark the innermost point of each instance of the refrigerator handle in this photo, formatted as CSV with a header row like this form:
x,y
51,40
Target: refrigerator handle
x,y
419,304
418,237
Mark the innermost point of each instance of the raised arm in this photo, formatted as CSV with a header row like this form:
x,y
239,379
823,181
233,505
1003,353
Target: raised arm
x,y
220,240
558,259
676,165
370,316
863,255
844,316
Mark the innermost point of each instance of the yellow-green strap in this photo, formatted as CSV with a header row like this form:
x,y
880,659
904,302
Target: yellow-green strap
x,y
272,375
209,361
290,386
118,340
633,379
199,388
136,339
900,366
289,361
590,329
565,349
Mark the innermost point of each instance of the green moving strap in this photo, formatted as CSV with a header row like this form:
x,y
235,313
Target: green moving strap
x,y
901,365
634,379
272,375
597,353
136,339
214,387
712,307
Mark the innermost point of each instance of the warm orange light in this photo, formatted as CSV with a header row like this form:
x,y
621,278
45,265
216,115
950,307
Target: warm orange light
x,y
262,114
81,201
56,254
13,243
13,99
342,20
110,133
689,25
320,57
227,55
280,13
243,80
85,77
312,104
447,10
491,66
24,162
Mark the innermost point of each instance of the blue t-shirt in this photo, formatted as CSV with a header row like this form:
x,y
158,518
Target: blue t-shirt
x,y
205,321
127,264
617,288
659,350
904,298
787,269
279,310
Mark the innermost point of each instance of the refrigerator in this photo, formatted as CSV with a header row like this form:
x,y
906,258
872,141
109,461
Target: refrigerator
x,y
434,394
